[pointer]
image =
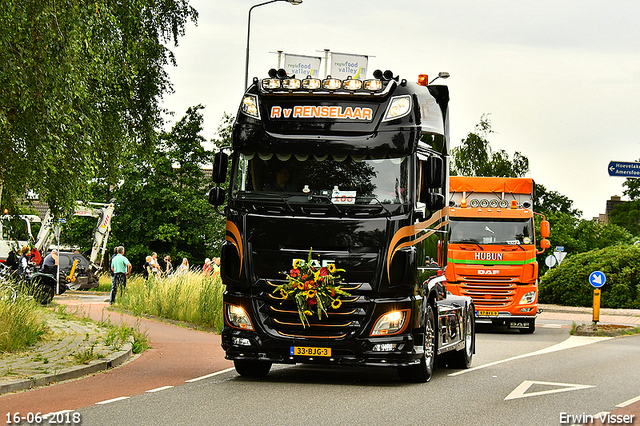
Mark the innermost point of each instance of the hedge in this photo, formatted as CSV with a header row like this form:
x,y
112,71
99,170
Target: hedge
x,y
568,283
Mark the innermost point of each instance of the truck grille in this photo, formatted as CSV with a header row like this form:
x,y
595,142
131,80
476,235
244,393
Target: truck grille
x,y
281,316
489,294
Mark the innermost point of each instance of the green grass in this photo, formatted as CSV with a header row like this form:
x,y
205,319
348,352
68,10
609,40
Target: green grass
x,y
21,322
191,297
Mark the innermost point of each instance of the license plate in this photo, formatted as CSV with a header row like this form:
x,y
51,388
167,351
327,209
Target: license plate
x,y
487,313
309,351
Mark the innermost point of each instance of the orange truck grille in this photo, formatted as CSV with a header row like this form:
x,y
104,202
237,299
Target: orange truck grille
x,y
489,294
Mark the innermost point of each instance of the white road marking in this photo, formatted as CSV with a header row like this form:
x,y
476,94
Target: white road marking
x,y
159,389
209,375
550,325
108,401
571,342
520,391
629,402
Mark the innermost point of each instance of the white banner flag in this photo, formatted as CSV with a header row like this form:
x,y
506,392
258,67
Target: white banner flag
x,y
301,66
343,66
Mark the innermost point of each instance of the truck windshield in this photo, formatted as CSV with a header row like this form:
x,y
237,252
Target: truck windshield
x,y
474,231
339,179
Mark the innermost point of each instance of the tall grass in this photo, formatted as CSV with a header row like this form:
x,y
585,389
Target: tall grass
x,y
21,322
190,297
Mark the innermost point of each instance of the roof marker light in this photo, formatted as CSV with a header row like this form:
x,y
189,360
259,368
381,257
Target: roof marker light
x,y
514,204
463,203
331,84
423,79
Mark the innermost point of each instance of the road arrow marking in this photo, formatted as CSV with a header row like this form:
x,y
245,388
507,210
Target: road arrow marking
x,y
521,390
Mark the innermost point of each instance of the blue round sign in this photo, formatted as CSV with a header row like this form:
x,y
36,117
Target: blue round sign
x,y
597,279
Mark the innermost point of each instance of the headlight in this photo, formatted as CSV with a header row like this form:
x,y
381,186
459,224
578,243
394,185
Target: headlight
x,y
390,323
237,317
528,298
250,106
399,107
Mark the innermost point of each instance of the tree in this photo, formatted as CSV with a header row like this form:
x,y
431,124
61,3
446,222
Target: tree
x,y
475,157
161,204
547,201
627,215
81,84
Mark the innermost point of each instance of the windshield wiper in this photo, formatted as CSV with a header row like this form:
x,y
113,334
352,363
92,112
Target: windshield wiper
x,y
379,203
260,195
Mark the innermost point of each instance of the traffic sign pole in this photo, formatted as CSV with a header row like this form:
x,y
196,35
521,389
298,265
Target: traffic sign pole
x,y
596,307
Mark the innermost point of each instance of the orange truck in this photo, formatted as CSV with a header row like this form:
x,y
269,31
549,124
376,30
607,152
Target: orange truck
x,y
491,255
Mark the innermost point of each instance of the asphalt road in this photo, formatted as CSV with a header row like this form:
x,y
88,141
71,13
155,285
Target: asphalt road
x,y
515,380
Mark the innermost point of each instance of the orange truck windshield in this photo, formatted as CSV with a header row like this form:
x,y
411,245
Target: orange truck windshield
x,y
483,231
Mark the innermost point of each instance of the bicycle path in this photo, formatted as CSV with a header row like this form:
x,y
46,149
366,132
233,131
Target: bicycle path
x,y
178,354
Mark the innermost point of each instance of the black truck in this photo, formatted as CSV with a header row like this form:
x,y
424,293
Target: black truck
x,y
336,234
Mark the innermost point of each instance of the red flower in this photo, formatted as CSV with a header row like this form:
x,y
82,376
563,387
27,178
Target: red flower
x,y
312,302
324,272
294,273
333,292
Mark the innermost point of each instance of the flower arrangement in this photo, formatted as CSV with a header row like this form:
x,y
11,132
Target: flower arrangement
x,y
313,288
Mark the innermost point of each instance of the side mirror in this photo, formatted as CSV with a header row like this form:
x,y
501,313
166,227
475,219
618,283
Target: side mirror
x,y
434,201
545,229
434,173
216,196
220,163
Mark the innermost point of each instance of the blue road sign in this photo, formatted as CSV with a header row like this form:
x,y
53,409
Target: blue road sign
x,y
619,168
597,279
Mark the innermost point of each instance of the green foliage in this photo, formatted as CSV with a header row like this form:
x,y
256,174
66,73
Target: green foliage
x,y
162,204
21,322
568,283
475,157
81,85
627,215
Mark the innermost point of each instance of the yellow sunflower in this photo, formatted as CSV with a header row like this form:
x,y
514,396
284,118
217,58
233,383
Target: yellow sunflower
x,y
331,267
336,303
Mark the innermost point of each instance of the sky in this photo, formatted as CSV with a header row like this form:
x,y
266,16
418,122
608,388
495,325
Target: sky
x,y
559,80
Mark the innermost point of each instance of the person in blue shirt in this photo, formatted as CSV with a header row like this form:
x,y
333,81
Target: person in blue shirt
x,y
121,268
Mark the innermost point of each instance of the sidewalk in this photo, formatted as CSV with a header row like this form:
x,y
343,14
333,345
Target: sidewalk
x,y
585,315
60,357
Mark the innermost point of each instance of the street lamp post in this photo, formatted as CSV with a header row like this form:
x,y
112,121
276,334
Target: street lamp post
x,y
246,67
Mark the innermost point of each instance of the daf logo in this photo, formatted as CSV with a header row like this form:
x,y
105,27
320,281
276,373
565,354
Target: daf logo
x,y
488,271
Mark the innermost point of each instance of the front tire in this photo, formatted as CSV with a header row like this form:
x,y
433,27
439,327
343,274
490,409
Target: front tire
x,y
251,368
422,372
530,329
462,359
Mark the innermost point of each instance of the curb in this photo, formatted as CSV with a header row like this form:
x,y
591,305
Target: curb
x,y
113,360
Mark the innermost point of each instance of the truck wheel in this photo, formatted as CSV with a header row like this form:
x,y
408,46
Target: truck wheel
x,y
462,359
422,372
530,329
251,368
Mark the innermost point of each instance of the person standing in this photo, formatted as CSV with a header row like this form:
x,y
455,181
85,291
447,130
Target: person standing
x,y
168,269
121,268
23,263
207,268
155,267
183,268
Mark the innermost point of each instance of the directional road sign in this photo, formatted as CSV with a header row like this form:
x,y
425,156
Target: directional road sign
x,y
628,170
597,279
